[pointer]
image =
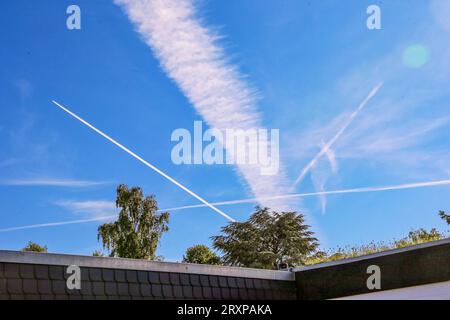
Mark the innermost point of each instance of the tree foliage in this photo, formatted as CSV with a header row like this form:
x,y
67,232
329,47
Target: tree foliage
x,y
266,240
34,247
139,227
444,216
201,254
414,237
97,253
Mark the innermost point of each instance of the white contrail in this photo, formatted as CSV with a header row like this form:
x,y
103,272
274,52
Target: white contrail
x,y
143,161
328,145
55,224
52,183
254,200
191,56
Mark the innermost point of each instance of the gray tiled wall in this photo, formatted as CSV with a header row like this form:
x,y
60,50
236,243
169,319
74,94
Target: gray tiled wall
x,y
32,281
402,269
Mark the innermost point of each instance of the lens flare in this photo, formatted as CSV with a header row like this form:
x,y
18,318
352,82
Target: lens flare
x,y
416,56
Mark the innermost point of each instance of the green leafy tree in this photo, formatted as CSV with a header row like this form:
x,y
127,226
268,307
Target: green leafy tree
x,y
201,254
266,240
139,227
34,247
419,236
444,216
97,253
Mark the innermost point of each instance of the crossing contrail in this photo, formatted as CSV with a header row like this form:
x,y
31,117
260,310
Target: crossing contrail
x,y
144,162
253,200
330,143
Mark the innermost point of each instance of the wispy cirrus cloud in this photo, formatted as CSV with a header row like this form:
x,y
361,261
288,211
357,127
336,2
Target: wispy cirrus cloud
x,y
326,148
91,207
400,135
190,55
52,182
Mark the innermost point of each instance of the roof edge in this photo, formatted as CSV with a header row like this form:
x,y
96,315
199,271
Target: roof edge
x,y
374,255
9,256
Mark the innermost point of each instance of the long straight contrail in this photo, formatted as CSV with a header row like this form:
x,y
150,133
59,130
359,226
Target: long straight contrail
x,y
330,143
253,200
144,162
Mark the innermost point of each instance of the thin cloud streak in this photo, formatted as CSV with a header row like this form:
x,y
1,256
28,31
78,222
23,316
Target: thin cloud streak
x,y
55,224
52,183
93,207
328,145
131,153
191,56
332,192
255,200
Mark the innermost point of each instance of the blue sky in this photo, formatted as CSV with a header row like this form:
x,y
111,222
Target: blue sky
x,y
305,66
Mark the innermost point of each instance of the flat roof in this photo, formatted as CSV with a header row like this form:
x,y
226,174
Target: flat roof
x,y
375,255
143,265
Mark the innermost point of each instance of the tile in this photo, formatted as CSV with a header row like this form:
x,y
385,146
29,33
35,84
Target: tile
x,y
11,270
225,293
207,293
243,293
3,286
56,272
175,278
156,290
41,271
216,293
142,276
223,282
59,287
44,287
195,279
120,275
131,276
249,283
108,274
232,282
234,294
153,277
188,292
134,290
197,292
95,274
86,288
184,279
111,288
213,281
204,281
177,291
27,271
167,291
164,278
14,286
240,282
145,290
98,288
30,286
122,288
